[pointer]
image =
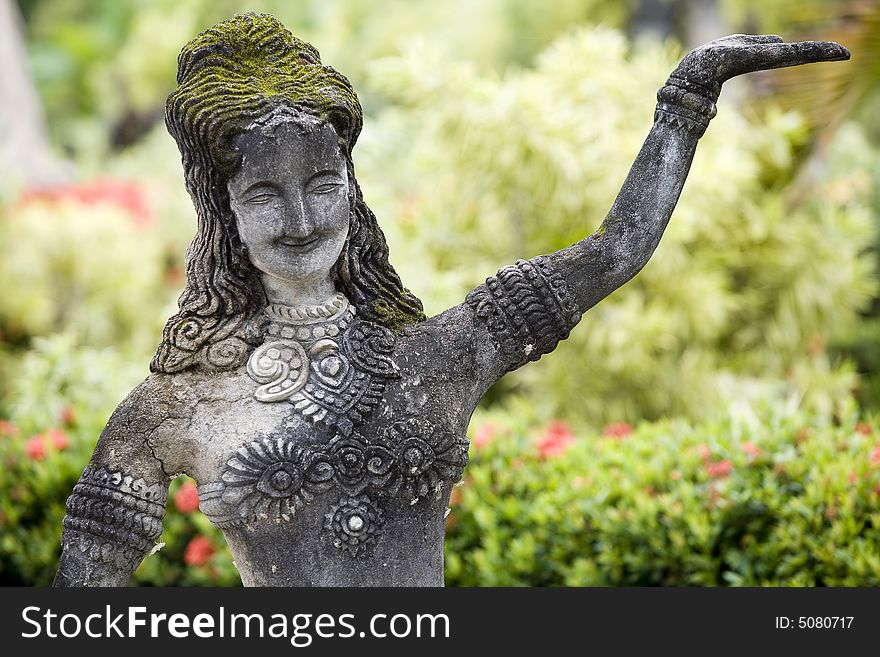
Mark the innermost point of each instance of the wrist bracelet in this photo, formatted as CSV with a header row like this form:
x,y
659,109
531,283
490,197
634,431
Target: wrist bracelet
x,y
686,104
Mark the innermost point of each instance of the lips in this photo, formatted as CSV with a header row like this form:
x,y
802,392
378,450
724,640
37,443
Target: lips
x,y
299,245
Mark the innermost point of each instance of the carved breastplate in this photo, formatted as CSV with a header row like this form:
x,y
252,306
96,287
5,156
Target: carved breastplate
x,y
270,479
333,369
331,366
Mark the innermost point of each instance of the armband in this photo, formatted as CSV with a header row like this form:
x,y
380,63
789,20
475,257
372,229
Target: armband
x,y
527,309
113,517
686,104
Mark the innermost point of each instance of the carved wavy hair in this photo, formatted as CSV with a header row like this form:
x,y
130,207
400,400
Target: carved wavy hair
x,y
229,77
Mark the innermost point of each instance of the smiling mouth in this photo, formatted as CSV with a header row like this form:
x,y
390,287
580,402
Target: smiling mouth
x,y
299,245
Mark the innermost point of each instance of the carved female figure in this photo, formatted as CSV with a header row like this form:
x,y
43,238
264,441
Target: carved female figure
x,y
300,384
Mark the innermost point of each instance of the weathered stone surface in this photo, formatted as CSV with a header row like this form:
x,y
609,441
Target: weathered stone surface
x,y
300,384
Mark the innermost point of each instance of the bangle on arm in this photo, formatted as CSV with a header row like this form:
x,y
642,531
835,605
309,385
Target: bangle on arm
x,y
686,104
114,518
526,308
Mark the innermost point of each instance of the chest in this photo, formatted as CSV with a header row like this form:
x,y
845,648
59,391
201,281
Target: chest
x,y
326,433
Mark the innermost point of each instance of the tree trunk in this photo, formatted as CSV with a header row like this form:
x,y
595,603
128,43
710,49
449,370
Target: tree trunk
x,y
26,158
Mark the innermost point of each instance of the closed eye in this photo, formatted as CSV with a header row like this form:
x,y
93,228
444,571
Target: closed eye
x,y
261,198
325,188
325,181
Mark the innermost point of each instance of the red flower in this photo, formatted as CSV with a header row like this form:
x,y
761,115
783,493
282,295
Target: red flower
x,y
126,195
186,499
704,452
8,429
67,416
484,435
555,440
751,449
559,428
199,551
35,448
617,430
57,438
875,455
863,428
174,276
455,496
719,469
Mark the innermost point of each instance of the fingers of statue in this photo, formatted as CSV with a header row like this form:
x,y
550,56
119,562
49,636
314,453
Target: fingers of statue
x,y
722,59
761,56
744,39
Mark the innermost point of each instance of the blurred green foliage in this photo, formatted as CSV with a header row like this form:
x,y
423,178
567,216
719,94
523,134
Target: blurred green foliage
x,y
81,266
495,130
115,60
780,502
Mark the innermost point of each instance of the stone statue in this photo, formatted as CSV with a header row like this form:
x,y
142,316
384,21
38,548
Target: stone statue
x,y
321,413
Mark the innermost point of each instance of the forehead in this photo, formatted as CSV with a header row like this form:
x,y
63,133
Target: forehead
x,y
302,143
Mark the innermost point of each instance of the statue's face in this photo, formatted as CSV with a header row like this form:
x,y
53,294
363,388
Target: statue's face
x,y
290,200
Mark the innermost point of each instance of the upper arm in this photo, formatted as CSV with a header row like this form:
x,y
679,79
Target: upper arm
x,y
515,317
114,515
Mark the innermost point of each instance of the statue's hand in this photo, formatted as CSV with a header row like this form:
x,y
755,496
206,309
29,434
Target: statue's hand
x,y
716,62
687,100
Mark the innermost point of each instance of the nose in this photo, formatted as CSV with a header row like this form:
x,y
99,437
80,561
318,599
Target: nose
x,y
297,222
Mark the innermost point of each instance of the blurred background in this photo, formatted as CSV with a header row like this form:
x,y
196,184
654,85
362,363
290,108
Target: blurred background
x,y
712,423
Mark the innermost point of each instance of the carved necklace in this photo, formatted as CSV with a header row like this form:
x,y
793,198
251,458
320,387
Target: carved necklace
x,y
330,365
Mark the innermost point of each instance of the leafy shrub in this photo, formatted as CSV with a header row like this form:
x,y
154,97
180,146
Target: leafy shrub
x,y
83,259
193,551
781,502
80,49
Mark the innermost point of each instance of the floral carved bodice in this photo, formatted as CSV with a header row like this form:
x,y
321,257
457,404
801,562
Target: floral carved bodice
x,y
327,373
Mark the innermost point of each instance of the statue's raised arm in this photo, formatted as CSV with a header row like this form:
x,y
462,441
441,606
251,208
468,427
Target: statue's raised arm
x,y
528,307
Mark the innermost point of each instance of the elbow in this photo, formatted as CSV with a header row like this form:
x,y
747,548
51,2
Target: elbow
x,y
626,247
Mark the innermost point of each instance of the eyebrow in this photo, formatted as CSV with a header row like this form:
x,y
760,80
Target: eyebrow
x,y
324,172
258,184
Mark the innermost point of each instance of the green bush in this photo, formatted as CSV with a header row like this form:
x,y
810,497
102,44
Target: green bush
x,y
780,502
78,49
87,259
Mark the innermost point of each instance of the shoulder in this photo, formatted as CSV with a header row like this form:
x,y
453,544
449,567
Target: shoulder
x,y
446,343
151,425
156,398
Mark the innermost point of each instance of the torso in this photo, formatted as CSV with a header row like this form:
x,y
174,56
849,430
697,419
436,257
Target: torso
x,y
329,459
